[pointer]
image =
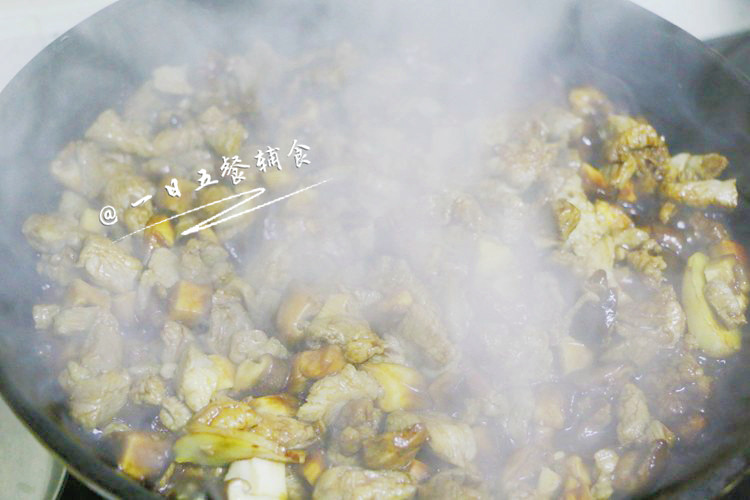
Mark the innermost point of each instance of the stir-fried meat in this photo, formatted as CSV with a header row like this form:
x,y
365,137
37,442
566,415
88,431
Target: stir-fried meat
x,y
171,141
150,390
658,316
727,304
562,125
75,320
287,431
224,134
44,315
703,194
335,325
395,449
450,440
453,483
650,265
228,318
80,293
103,347
421,328
683,385
85,169
94,399
203,262
108,265
51,233
685,167
252,344
124,189
633,415
523,354
349,483
328,395
174,413
638,148
539,326
111,131
59,268
521,162
197,378
357,421
590,240
175,337
165,266
726,290
589,101
568,217
606,461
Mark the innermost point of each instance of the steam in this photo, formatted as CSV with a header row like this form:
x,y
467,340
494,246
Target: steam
x,y
401,103
416,111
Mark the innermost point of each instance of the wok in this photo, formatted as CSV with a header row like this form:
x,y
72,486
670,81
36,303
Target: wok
x,y
686,90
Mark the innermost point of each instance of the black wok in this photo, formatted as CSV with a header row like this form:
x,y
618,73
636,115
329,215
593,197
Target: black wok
x,y
686,90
